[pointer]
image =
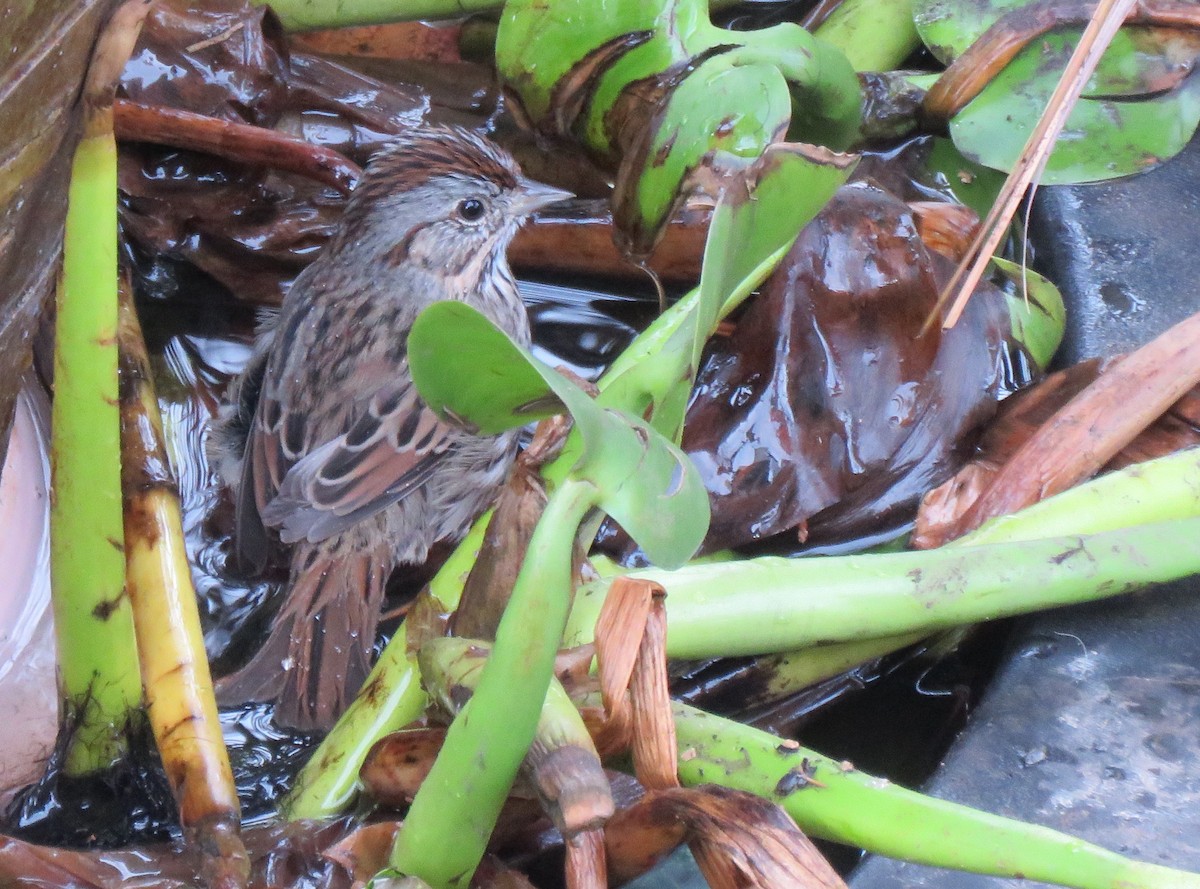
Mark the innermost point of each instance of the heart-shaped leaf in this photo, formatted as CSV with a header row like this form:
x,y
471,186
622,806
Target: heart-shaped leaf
x,y
494,391
642,480
1103,138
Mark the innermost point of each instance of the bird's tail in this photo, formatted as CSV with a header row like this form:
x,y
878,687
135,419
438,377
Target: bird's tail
x,y
319,649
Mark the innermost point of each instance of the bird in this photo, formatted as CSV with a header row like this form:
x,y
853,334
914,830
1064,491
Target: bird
x,y
325,441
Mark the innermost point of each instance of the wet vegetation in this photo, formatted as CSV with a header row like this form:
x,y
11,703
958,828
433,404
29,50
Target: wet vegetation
x,y
751,368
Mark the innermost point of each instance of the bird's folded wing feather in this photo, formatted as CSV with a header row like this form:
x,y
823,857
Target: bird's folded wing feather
x,y
311,490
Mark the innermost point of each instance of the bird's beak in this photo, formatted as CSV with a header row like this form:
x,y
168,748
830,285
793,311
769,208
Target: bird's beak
x,y
533,196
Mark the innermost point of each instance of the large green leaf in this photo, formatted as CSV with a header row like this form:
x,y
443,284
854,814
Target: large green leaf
x,y
759,214
1139,108
643,481
654,89
1103,138
497,389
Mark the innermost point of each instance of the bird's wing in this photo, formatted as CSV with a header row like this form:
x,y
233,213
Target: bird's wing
x,y
388,447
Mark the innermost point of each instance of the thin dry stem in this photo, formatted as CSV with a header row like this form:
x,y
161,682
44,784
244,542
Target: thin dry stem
x,y
1104,24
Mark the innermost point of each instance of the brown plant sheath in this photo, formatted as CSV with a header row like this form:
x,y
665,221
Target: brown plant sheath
x,y
1090,429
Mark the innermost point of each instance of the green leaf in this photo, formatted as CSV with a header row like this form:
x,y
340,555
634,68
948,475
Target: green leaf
x,y
498,389
644,481
759,216
722,109
972,184
760,213
948,27
1036,310
1103,138
1139,108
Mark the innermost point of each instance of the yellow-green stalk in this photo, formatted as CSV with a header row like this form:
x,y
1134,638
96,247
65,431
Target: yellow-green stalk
x,y
875,35
179,687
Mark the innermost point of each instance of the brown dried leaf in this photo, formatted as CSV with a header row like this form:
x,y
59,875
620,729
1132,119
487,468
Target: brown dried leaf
x,y
490,583
1090,430
398,40
397,764
655,751
578,239
364,852
946,229
1019,419
739,840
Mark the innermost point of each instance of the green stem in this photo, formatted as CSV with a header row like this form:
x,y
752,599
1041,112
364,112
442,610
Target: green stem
x,y
562,765
452,816
775,604
1157,490
875,35
851,807
98,667
392,697
789,672
308,15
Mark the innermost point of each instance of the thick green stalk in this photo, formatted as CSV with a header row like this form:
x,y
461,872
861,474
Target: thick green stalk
x,y
98,667
775,604
875,35
850,807
1158,490
452,816
308,15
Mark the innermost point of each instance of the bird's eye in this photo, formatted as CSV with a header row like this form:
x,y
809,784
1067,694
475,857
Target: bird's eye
x,y
470,209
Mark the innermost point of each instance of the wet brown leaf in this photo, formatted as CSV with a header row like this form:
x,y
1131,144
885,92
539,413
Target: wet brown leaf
x,y
826,406
364,852
397,764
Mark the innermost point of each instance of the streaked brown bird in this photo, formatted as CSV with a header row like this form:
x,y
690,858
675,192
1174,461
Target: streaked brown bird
x,y
326,441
